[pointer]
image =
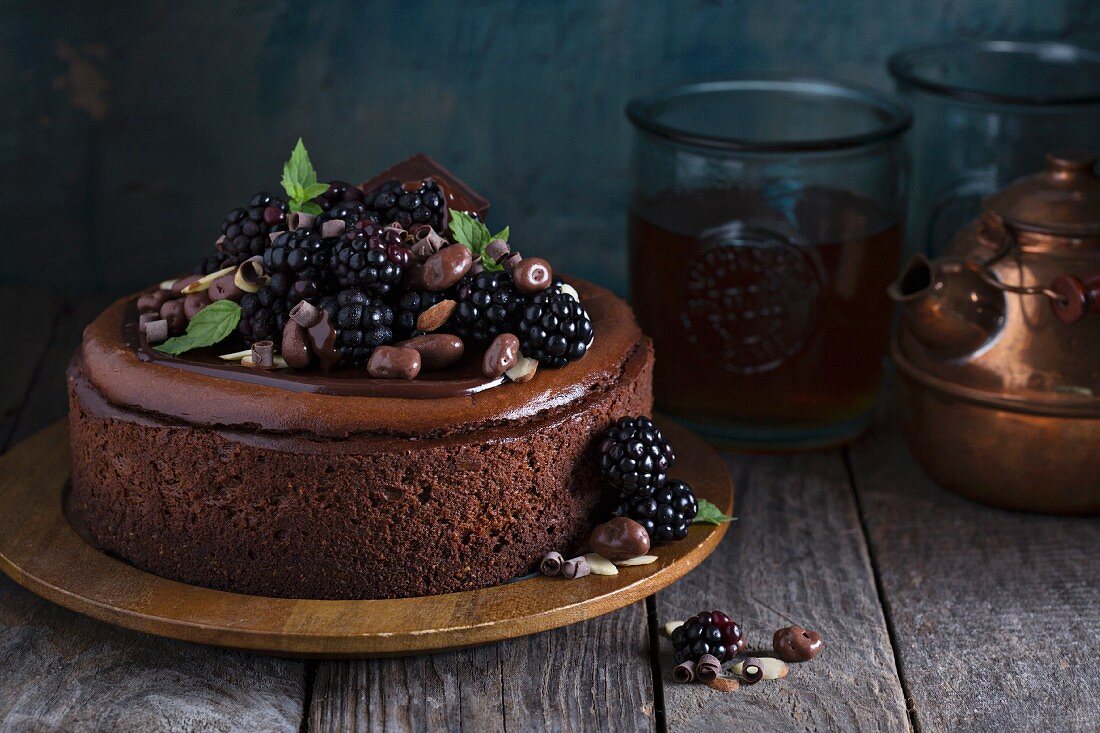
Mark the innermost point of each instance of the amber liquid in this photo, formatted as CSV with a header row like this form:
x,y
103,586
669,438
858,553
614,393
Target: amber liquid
x,y
759,336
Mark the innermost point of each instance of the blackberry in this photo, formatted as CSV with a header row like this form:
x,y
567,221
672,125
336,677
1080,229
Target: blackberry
x,y
370,257
409,203
666,515
409,307
709,632
302,253
338,192
487,305
246,228
263,315
635,457
363,322
209,264
555,329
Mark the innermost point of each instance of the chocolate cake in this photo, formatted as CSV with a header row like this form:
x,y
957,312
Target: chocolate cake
x,y
370,467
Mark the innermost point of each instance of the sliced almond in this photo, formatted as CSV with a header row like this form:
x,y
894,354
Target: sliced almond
x,y
672,626
567,288
639,560
600,565
167,284
772,668
523,370
236,355
204,282
250,276
435,316
724,684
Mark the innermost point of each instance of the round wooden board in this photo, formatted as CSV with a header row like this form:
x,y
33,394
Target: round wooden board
x,y
41,551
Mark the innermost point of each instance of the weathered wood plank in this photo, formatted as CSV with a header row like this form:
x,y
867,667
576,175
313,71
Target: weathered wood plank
x,y
61,671
994,613
796,554
590,676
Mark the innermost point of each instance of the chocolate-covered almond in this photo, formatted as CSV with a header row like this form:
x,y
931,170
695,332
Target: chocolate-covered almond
x,y
532,275
437,350
183,282
195,302
500,356
224,288
295,345
796,644
151,302
394,362
445,268
172,311
620,538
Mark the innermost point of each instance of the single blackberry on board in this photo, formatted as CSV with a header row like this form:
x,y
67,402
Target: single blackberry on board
x,y
555,329
263,315
487,305
363,322
408,309
409,203
371,258
709,632
246,228
666,514
634,456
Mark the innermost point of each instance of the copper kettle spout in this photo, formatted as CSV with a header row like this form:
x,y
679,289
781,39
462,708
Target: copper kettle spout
x,y
947,305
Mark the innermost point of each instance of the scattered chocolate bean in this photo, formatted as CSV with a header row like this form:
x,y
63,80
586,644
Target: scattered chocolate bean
x,y
224,288
497,250
445,268
796,644
751,671
151,302
195,302
437,350
263,354
500,356
724,684
394,362
156,331
305,314
172,311
298,220
707,668
183,282
551,564
684,672
436,316
295,345
620,538
575,568
532,275
333,228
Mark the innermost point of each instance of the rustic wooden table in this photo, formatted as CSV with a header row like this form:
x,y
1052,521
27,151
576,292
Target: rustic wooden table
x,y
939,615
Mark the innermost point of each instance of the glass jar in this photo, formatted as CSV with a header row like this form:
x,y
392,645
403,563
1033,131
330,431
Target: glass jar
x,y
765,225
987,113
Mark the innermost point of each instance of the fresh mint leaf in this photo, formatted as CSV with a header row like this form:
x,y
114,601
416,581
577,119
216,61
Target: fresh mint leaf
x,y
300,181
311,208
209,326
710,514
502,234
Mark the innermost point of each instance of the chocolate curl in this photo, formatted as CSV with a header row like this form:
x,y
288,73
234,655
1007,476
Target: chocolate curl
x,y
477,267
305,314
751,672
510,262
575,568
146,318
551,564
249,276
263,354
497,250
299,220
684,672
333,228
156,331
426,242
707,668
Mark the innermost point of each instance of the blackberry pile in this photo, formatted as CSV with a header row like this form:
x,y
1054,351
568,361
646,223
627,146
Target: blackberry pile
x,y
487,305
408,204
245,229
635,459
554,328
709,632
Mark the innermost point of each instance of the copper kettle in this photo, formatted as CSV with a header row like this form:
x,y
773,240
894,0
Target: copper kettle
x,y
998,348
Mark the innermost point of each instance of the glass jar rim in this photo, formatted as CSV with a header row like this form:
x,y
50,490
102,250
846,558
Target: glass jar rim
x,y
897,118
902,66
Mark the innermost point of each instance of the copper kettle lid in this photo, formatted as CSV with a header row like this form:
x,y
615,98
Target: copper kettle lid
x,y
1062,200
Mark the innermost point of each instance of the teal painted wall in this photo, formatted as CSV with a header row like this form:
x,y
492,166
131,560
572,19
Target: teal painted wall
x,y
128,129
